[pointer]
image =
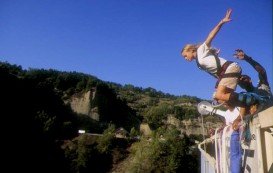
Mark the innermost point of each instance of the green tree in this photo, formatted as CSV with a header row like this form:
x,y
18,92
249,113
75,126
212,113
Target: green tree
x,y
105,142
167,151
155,115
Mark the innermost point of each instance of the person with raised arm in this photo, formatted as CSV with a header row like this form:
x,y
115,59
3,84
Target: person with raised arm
x,y
262,89
226,72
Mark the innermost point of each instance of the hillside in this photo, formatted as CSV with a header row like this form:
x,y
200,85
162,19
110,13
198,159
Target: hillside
x,y
48,107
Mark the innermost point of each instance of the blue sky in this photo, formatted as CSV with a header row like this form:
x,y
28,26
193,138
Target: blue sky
x,y
134,42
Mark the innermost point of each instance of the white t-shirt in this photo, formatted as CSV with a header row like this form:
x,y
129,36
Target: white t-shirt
x,y
207,60
230,116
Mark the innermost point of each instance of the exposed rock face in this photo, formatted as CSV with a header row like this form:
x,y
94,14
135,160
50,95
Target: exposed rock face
x,y
145,129
80,103
191,126
94,114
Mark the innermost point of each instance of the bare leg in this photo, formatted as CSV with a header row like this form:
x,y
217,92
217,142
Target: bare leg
x,y
223,93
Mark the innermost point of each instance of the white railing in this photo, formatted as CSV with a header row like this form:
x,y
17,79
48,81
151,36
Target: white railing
x,y
257,153
207,160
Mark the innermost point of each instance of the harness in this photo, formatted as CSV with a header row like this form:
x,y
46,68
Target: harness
x,y
217,60
220,71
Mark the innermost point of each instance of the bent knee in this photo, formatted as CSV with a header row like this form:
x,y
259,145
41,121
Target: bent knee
x,y
223,93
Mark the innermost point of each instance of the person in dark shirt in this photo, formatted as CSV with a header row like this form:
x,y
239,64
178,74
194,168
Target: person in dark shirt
x,y
245,81
262,90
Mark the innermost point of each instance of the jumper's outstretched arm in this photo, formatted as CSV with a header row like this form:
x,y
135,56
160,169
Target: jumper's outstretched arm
x,y
216,29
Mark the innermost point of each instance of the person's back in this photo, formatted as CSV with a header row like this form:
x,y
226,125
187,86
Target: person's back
x,y
231,114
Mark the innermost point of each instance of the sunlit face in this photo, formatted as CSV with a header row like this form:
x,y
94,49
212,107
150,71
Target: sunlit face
x,y
189,55
253,109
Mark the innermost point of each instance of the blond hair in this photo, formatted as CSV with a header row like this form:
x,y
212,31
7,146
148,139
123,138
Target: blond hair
x,y
188,47
194,47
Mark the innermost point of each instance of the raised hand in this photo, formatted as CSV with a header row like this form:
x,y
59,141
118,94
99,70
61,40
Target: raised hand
x,y
236,124
239,54
227,17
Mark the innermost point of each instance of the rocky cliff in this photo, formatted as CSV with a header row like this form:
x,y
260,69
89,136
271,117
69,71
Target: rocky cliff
x,y
81,104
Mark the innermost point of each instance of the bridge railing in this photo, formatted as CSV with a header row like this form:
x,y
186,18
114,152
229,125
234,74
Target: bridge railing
x,y
257,151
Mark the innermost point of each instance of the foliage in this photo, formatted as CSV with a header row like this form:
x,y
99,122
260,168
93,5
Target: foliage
x,y
112,109
156,114
88,153
134,133
36,119
105,142
168,153
33,108
83,156
89,125
185,112
46,121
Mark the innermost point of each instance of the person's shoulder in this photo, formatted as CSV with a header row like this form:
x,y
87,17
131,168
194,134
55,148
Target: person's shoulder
x,y
203,45
202,48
